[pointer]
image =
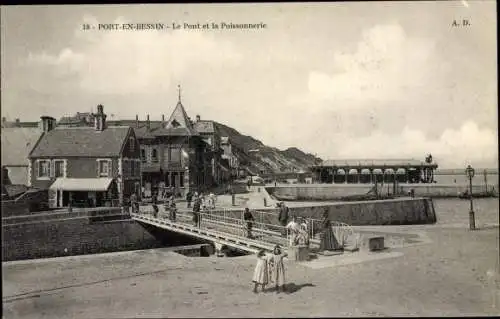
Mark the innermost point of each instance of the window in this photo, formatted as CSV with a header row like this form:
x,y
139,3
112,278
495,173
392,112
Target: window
x,y
131,144
58,169
104,167
181,179
143,155
44,169
132,168
154,155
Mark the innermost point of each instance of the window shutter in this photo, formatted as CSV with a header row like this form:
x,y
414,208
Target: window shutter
x,y
110,168
52,168
36,168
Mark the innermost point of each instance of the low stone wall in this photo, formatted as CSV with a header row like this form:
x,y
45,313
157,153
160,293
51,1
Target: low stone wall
x,y
308,192
63,233
379,212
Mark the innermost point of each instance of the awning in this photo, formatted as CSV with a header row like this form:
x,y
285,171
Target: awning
x,y
377,171
389,171
340,171
353,171
82,184
401,171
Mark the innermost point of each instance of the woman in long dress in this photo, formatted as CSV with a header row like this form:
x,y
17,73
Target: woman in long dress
x,y
261,272
278,268
328,240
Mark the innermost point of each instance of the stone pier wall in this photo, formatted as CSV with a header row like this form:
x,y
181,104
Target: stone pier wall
x,y
308,192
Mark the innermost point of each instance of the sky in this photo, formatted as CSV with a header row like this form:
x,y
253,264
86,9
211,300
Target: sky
x,y
340,80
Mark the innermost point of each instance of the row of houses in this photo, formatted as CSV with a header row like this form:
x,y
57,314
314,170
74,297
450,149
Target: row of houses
x,y
88,160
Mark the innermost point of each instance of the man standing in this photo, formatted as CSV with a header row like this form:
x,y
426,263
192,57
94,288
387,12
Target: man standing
x,y
248,218
189,198
196,209
283,217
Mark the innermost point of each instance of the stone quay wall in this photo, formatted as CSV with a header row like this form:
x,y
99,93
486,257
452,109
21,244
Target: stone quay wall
x,y
54,235
311,192
399,211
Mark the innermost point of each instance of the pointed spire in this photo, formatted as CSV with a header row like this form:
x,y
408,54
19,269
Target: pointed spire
x,y
179,91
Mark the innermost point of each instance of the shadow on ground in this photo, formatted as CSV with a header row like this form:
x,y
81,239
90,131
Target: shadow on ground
x,y
290,288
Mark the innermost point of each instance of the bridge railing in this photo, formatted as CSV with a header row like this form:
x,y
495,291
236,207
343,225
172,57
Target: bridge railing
x,y
264,223
227,221
341,230
239,226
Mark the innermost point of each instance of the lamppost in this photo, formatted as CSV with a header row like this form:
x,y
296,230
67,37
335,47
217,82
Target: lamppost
x,y
469,171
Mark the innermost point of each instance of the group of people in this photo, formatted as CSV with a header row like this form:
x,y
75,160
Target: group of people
x,y
270,269
205,201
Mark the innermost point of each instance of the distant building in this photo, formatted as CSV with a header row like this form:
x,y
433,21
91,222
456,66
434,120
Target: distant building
x,y
86,166
17,142
369,171
78,120
228,155
208,132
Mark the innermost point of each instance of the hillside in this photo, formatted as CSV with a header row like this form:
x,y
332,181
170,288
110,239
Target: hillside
x,y
257,157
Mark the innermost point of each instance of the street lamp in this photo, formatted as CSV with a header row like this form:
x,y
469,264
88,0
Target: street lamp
x,y
469,171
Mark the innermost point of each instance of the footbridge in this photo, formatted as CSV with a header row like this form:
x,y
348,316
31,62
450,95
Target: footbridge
x,y
227,228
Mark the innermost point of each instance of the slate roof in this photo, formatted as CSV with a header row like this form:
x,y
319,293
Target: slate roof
x,y
82,142
205,126
158,130
180,117
17,143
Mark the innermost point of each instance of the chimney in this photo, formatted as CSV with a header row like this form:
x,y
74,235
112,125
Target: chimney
x,y
100,119
137,121
18,122
198,118
163,117
148,124
47,123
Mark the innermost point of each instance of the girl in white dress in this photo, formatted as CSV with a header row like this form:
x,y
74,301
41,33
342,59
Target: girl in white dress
x,y
261,272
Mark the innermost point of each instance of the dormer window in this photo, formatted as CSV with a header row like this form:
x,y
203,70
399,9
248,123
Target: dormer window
x,y
175,123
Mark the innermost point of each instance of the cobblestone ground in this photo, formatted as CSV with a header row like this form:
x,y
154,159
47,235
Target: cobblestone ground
x,y
457,274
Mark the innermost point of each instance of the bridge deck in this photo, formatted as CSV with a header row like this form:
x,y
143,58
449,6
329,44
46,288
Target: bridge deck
x,y
232,235
228,228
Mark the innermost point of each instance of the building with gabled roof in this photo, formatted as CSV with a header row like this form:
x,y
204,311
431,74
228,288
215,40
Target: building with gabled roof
x,y
87,166
17,142
174,156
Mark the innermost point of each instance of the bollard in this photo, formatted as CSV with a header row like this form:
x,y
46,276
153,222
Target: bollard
x,y
233,200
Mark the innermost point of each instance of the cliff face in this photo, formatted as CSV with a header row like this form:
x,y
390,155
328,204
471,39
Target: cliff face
x,y
256,156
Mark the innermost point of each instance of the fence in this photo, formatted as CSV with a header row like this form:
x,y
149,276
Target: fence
x,y
93,214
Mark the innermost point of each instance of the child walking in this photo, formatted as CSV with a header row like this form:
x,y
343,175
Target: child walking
x,y
260,274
